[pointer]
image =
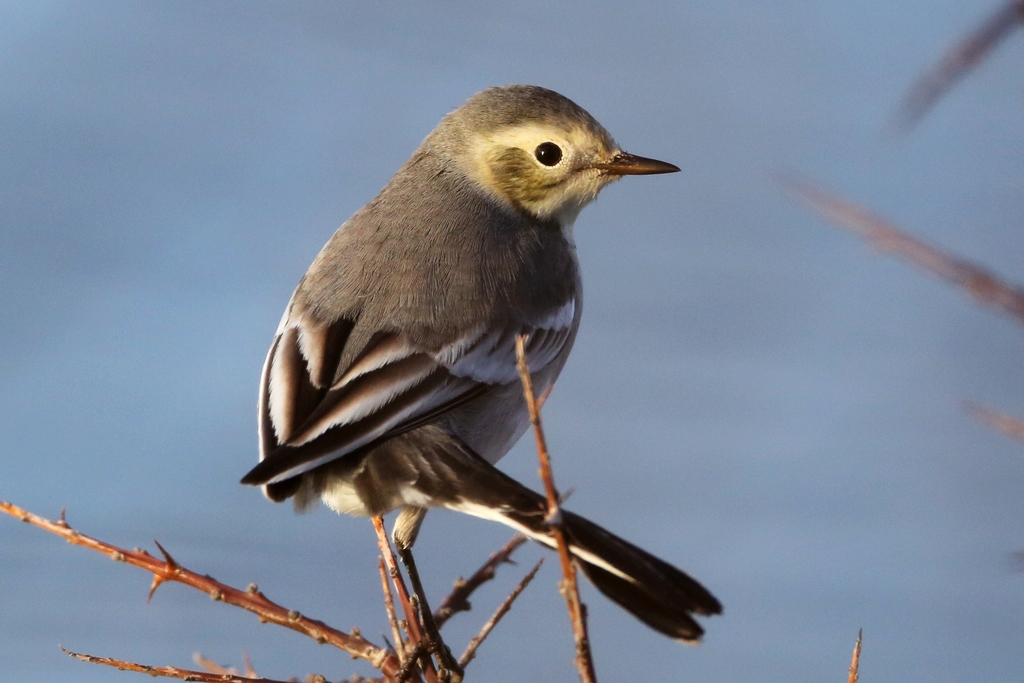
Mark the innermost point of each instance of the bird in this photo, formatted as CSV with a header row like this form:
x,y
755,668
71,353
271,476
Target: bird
x,y
391,382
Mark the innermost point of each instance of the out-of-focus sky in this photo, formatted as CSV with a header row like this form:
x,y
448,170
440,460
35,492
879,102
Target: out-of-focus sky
x,y
754,395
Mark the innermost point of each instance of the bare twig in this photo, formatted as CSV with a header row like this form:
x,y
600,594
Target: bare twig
x,y
570,590
412,623
956,64
389,607
458,599
546,475
1007,424
502,610
251,599
448,668
169,671
855,664
886,237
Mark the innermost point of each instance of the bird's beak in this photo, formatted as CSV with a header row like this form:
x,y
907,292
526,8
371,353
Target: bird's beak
x,y
624,163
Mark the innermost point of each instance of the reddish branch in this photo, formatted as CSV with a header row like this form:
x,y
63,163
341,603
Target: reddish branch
x,y
958,62
412,622
170,671
389,608
855,664
458,599
250,599
886,237
502,610
570,590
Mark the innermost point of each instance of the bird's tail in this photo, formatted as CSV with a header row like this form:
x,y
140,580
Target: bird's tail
x,y
654,591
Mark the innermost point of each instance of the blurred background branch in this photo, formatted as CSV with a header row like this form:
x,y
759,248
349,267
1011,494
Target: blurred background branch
x,y
957,63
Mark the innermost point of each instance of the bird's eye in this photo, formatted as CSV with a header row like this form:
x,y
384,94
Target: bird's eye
x,y
548,153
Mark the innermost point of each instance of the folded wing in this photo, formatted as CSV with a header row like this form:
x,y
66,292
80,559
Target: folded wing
x,y
312,410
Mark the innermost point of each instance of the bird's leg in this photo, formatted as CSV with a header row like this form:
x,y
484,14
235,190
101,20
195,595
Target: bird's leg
x,y
406,528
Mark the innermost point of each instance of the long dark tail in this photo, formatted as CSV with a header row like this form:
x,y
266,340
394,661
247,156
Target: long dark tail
x,y
446,472
660,595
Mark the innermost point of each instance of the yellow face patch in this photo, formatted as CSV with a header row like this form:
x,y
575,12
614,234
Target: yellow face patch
x,y
506,163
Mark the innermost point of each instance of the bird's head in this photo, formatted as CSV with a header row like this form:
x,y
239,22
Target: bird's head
x,y
539,151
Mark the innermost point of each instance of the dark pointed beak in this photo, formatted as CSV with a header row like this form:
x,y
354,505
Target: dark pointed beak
x,y
624,163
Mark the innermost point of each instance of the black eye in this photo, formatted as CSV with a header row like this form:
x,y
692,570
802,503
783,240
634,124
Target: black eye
x,y
548,153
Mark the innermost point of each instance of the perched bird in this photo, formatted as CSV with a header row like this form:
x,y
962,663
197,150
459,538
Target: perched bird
x,y
391,382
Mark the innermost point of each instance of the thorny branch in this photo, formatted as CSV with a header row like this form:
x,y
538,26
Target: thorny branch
x,y
502,610
458,599
250,599
170,671
412,623
389,608
570,590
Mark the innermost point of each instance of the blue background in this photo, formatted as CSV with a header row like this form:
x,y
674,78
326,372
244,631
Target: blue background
x,y
754,395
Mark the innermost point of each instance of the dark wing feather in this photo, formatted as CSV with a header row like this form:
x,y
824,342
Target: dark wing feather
x,y
388,388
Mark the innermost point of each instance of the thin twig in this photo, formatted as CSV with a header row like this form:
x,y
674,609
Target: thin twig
x,y
250,599
1007,424
546,475
886,237
855,664
502,610
389,607
412,624
570,590
448,668
458,599
957,63
169,671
